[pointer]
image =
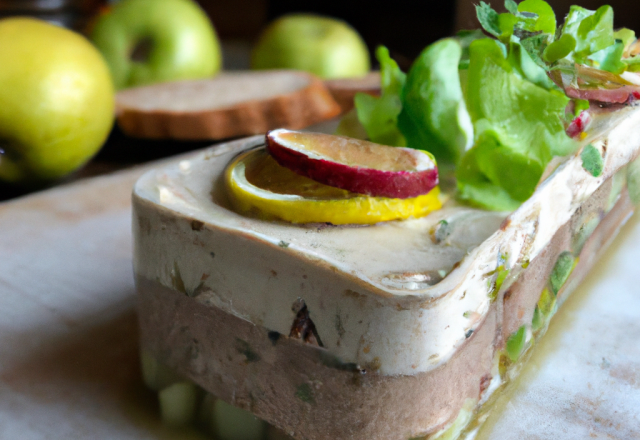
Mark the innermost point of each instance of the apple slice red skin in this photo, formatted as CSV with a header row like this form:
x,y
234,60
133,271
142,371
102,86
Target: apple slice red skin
x,y
361,180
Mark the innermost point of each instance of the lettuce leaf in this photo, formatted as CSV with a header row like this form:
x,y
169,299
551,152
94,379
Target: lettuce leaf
x,y
509,24
532,22
434,116
592,30
477,190
596,43
627,36
466,37
511,6
545,20
561,48
392,78
379,115
488,105
535,47
518,127
633,63
489,19
610,58
523,20
522,62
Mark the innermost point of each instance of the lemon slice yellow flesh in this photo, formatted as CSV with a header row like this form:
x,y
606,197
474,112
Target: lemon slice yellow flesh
x,y
258,186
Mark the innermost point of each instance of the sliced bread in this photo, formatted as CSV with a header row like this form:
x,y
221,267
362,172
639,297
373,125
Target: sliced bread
x,y
345,89
231,104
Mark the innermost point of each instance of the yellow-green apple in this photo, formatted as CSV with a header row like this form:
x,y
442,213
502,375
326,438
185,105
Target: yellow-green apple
x,y
149,41
57,100
353,164
327,47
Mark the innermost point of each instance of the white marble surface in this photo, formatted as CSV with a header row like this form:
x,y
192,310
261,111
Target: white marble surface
x,y
583,379
68,349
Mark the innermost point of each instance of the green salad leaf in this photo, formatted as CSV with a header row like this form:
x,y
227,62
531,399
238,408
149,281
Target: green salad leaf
x,y
610,58
524,64
379,115
508,25
392,78
518,128
535,46
475,188
527,19
511,6
465,38
560,48
592,30
495,107
489,19
627,36
633,63
545,20
579,105
434,116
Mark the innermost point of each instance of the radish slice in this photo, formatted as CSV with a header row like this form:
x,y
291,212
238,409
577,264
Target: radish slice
x,y
353,164
615,96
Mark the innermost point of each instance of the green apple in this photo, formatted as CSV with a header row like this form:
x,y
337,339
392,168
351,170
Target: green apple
x,y
149,41
327,47
57,100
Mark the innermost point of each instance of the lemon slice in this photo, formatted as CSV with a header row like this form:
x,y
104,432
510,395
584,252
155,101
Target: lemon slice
x,y
258,186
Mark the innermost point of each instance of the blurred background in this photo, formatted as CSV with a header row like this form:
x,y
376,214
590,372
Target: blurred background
x,y
404,26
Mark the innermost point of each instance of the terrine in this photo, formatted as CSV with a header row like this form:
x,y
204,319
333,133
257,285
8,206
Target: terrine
x,y
396,330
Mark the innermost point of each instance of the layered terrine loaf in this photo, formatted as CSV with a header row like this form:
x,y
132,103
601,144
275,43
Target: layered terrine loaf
x,y
387,331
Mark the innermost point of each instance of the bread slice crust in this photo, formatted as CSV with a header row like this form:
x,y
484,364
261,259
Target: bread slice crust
x,y
344,90
229,105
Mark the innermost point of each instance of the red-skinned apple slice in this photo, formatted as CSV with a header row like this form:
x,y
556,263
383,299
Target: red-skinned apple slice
x,y
355,165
